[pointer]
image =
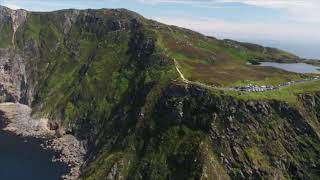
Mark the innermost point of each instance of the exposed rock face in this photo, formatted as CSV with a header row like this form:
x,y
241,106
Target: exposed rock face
x,y
70,18
5,15
265,138
12,77
14,17
20,122
73,153
18,17
101,76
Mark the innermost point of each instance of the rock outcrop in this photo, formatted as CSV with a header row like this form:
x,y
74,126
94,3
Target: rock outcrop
x,y
20,122
265,138
13,78
104,77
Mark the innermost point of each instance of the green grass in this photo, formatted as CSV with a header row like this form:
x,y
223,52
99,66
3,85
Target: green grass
x,y
287,94
6,33
239,54
33,28
230,68
274,81
212,62
257,158
108,86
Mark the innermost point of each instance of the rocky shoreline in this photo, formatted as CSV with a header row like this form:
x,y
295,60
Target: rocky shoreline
x,y
20,122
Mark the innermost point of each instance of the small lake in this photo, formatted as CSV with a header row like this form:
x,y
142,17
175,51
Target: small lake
x,y
294,67
24,159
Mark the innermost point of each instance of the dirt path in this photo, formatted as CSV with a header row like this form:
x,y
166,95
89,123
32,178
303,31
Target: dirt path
x,y
185,80
180,73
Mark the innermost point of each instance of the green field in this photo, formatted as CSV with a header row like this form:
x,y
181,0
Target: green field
x,y
286,94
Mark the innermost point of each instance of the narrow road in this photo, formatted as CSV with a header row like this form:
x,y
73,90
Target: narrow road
x,y
185,80
181,75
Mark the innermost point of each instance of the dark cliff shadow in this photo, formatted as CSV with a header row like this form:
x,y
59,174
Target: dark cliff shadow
x,y
3,120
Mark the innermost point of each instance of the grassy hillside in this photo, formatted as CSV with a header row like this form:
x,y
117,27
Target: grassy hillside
x,y
109,77
223,63
106,53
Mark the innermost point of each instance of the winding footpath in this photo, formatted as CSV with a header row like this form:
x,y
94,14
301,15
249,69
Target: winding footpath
x,y
180,73
185,80
178,67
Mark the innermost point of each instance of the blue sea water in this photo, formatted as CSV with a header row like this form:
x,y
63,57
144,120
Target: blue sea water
x,y
294,67
24,159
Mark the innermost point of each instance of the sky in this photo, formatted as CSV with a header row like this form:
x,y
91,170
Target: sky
x,y
292,25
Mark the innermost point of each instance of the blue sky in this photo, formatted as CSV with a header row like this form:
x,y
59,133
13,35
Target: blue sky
x,y
293,25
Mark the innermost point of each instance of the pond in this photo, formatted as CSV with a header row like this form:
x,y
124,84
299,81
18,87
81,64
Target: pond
x,y
293,67
24,158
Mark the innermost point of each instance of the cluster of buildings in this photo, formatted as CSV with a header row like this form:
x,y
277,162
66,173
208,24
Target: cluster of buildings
x,y
256,88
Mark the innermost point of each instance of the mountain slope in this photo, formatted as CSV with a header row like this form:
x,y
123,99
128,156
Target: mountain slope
x,y
108,76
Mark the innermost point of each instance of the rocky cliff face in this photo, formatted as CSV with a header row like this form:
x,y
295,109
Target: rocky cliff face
x,y
192,133
250,139
104,76
13,78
